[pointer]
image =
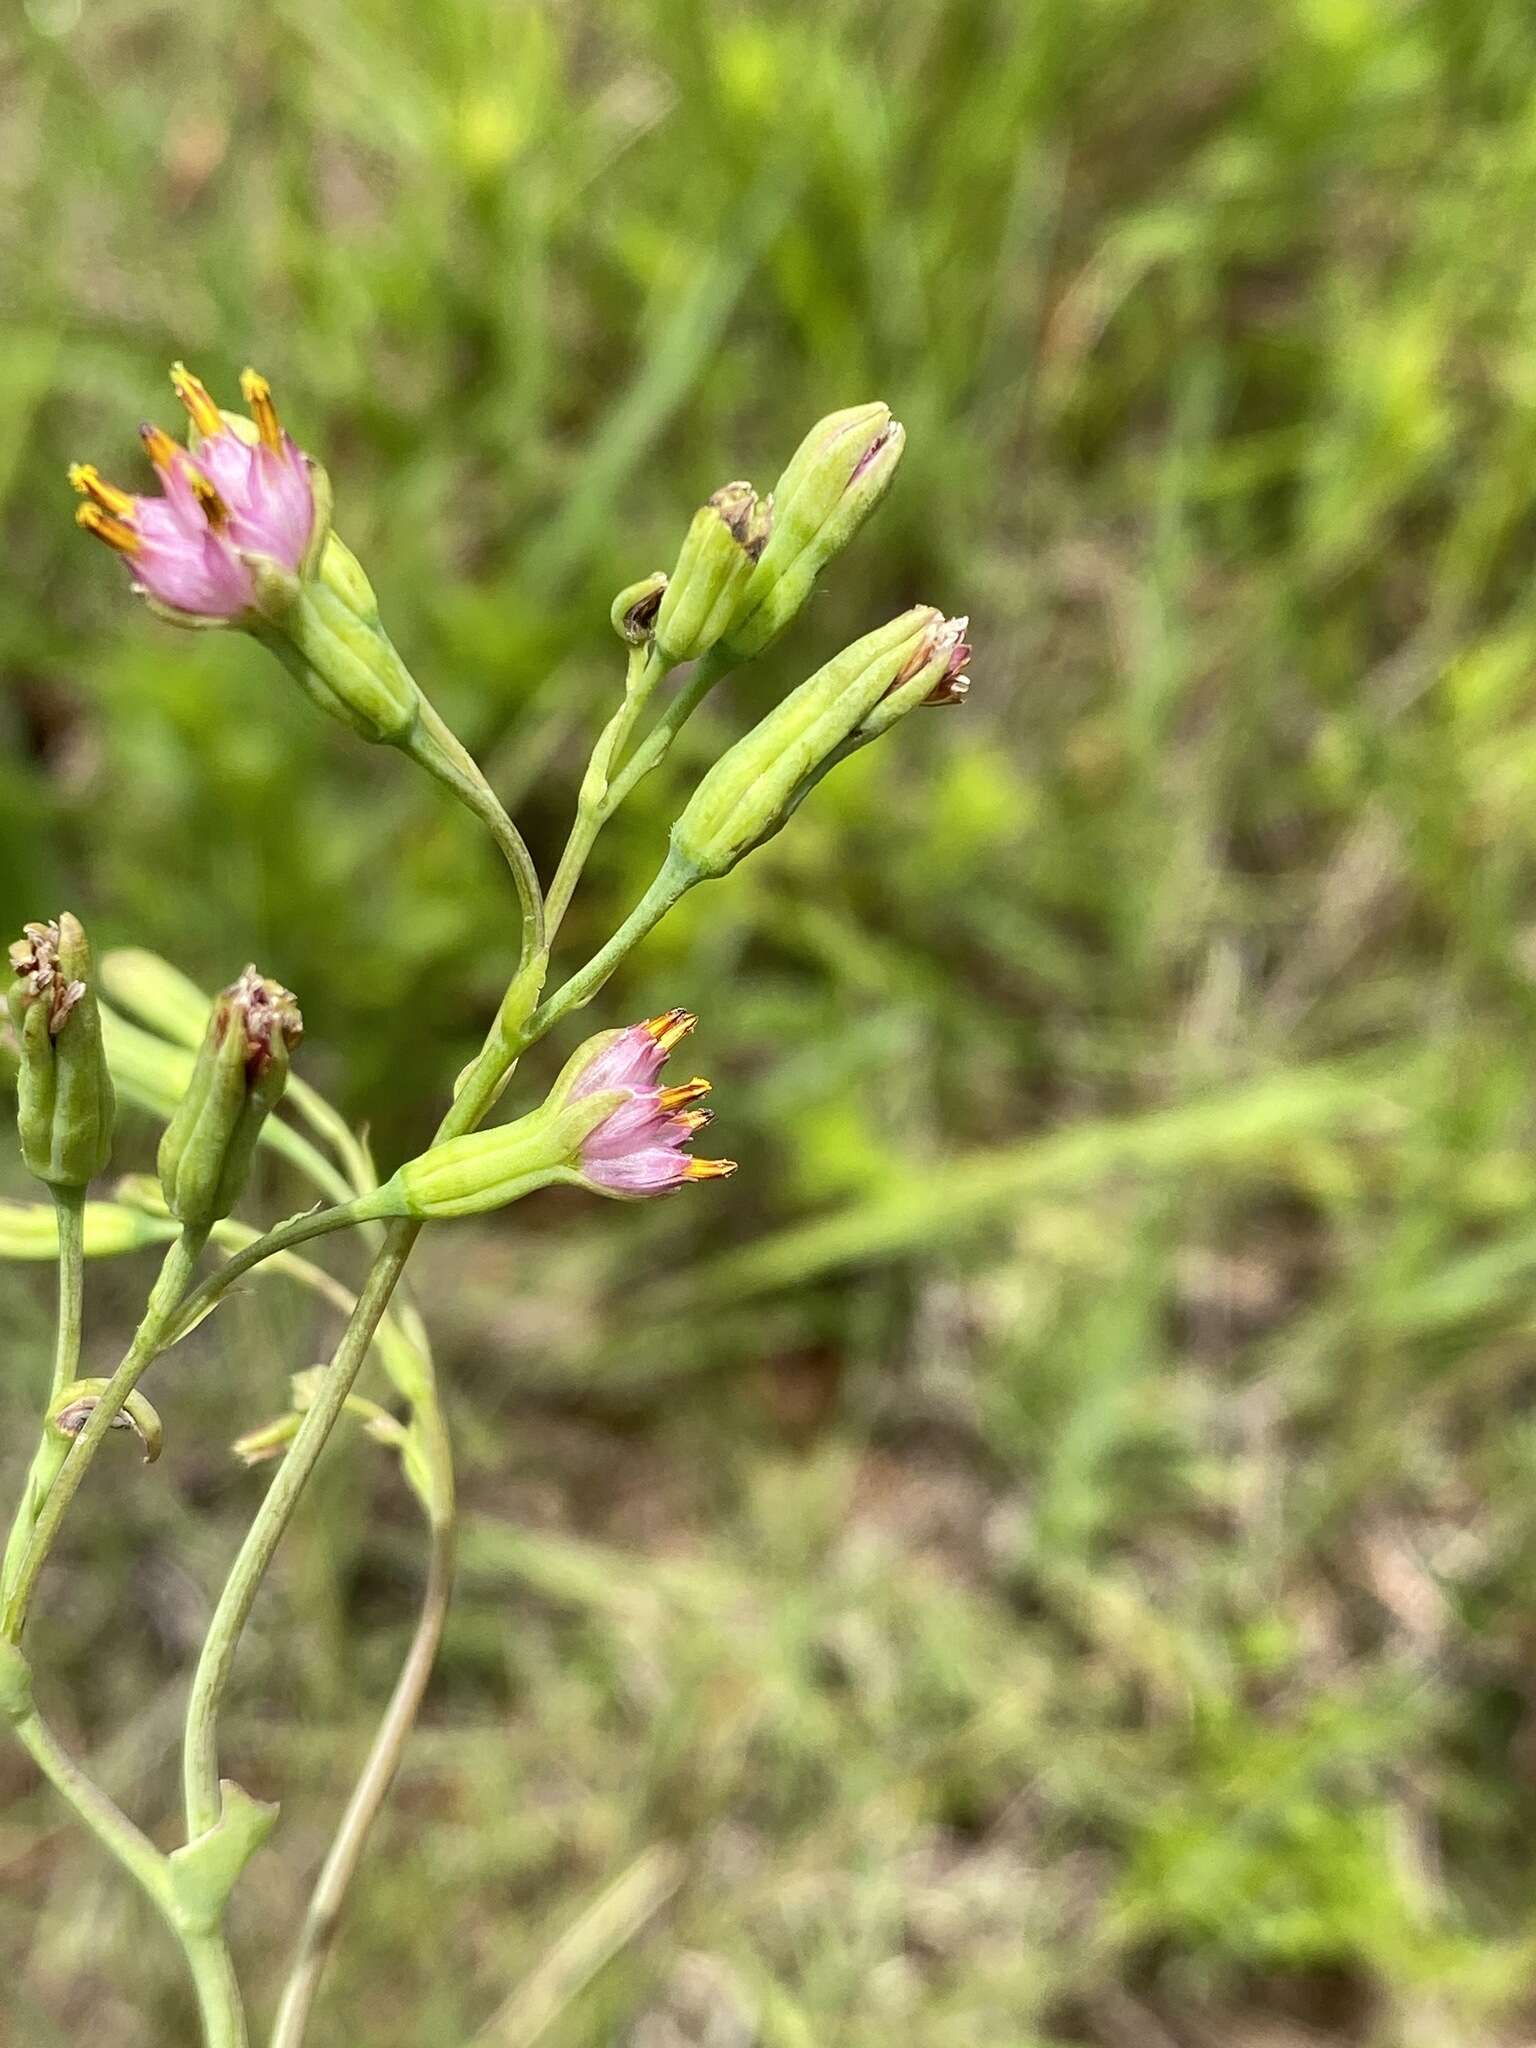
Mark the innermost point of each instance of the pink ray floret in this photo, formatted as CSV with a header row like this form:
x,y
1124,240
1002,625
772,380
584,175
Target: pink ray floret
x,y
234,497
638,1148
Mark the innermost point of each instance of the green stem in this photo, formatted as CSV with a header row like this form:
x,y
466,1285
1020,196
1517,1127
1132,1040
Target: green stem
x,y
219,2004
70,1204
148,1341
200,1765
323,1916
478,1090
653,749
218,1994
674,879
200,1762
436,747
105,1819
646,670
297,1230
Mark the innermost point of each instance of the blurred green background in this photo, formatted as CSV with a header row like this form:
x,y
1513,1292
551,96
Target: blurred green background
x,y
1045,1555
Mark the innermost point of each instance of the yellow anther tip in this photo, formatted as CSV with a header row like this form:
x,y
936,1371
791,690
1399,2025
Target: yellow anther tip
x,y
670,1026
257,393
193,393
115,532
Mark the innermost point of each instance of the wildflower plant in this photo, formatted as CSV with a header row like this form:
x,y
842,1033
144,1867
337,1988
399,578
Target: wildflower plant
x,y
238,535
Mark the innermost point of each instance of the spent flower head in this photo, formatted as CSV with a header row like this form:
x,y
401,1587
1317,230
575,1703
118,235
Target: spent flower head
x,y
65,1106
244,494
721,549
237,1080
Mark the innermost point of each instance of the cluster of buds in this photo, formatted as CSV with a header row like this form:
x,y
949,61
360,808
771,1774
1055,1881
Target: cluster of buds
x,y
748,564
237,1081
240,535
65,1103
606,1125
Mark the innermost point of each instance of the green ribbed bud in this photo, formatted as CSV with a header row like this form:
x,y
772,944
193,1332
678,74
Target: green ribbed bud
x,y
835,479
634,610
752,788
237,1081
487,1169
720,552
64,1101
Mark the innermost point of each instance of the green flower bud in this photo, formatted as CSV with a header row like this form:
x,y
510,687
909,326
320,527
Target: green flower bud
x,y
835,479
719,554
237,1080
64,1101
746,796
634,609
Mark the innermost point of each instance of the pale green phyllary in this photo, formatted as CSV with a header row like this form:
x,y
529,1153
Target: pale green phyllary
x,y
238,535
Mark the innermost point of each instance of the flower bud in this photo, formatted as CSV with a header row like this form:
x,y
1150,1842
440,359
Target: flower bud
x,y
753,787
835,479
64,1101
634,610
719,554
604,1126
237,1080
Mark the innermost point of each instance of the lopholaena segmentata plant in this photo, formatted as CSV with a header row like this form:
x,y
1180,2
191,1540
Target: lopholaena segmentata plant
x,y
239,536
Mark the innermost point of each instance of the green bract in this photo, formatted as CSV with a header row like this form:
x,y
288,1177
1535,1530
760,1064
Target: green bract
x,y
64,1100
325,630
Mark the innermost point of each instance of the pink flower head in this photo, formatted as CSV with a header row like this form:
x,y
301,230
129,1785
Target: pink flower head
x,y
637,1149
234,497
